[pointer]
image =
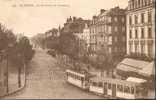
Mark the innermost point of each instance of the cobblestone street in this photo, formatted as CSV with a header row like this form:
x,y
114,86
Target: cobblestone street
x,y
46,80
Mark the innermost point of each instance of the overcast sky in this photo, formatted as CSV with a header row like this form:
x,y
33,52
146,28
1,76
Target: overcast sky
x,y
33,20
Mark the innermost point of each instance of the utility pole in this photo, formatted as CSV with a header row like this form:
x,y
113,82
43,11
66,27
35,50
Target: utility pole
x,y
7,73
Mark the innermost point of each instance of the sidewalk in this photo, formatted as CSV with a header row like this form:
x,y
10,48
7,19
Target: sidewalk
x,y
13,84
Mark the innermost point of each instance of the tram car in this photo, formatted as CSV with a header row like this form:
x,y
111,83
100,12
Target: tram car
x,y
79,79
132,88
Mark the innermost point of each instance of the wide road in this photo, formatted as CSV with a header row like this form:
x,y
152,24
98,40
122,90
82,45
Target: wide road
x,y
46,80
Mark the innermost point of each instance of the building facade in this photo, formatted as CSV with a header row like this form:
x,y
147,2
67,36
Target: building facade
x,y
93,32
110,31
84,37
141,27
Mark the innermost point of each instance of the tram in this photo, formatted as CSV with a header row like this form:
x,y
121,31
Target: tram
x,y
132,88
79,79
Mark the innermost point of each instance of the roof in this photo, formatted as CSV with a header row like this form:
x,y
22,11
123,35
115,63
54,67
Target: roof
x,y
81,73
134,79
114,81
138,66
76,73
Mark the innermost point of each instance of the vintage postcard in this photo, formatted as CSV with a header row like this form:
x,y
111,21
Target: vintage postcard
x,y
77,49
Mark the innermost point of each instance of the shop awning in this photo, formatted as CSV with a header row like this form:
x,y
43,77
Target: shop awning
x,y
138,66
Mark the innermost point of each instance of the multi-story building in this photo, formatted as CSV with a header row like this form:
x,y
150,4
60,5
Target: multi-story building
x,y
85,36
110,31
141,27
93,29
140,40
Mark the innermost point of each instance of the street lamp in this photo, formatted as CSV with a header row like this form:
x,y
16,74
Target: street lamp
x,y
7,69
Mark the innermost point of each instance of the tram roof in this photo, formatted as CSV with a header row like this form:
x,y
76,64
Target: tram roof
x,y
76,73
137,80
113,81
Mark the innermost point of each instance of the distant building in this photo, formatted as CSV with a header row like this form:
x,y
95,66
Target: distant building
x,y
141,28
53,32
140,40
85,36
93,32
74,25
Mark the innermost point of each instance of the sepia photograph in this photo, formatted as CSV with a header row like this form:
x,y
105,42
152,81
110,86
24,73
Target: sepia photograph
x,y
77,49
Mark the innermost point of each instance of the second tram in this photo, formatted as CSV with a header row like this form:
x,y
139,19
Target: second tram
x,y
78,79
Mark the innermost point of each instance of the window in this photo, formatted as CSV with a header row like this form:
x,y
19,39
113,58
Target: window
x,y
136,48
110,40
116,49
150,50
139,3
130,34
136,19
115,19
94,84
123,29
123,39
149,33
132,90
120,88
142,33
123,19
116,29
109,19
130,20
115,39
142,49
109,29
100,84
110,50
126,89
145,2
142,18
136,33
109,86
149,17
1,58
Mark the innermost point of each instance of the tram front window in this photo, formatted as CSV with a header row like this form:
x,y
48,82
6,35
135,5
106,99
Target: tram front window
x,y
141,90
132,90
120,88
126,89
100,84
94,83
109,86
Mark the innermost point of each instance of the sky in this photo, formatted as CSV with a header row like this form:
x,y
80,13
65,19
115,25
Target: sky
x,y
32,20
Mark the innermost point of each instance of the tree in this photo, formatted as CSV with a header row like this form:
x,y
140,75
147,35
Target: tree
x,y
104,60
24,54
39,40
6,37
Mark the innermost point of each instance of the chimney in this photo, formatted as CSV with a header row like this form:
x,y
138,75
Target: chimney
x,y
94,17
102,11
74,18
